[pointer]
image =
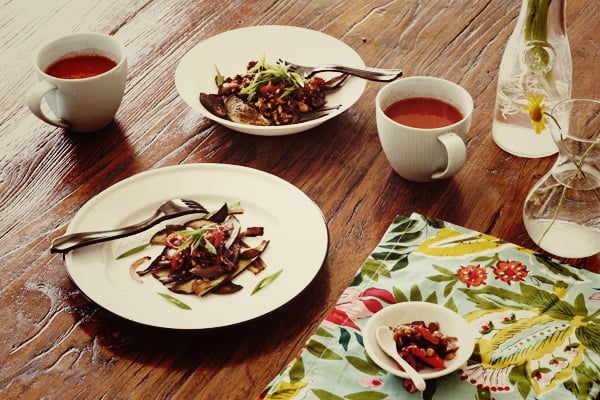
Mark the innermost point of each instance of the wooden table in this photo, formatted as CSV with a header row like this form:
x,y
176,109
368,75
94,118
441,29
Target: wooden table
x,y
54,343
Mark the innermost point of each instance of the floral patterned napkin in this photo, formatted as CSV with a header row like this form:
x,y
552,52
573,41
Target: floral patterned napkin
x,y
538,321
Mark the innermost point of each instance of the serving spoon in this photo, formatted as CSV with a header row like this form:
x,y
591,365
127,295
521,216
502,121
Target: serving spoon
x,y
386,342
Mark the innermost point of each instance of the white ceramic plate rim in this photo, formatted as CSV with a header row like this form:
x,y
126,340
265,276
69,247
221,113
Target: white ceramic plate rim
x,y
293,223
231,51
451,324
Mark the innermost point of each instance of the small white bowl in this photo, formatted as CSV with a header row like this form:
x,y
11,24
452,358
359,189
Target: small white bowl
x,y
451,324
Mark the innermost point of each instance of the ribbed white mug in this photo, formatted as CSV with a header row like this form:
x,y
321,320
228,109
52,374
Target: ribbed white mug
x,y
81,105
418,154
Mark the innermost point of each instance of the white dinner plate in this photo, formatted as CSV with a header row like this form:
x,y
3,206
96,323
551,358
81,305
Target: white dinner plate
x,y
231,51
292,222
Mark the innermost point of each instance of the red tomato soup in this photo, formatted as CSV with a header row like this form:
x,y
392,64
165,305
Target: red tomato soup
x,y
423,112
80,66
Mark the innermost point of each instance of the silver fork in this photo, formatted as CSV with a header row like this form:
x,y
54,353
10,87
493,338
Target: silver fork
x,y
373,74
170,209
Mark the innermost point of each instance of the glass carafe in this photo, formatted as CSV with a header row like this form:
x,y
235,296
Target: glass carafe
x,y
562,211
537,59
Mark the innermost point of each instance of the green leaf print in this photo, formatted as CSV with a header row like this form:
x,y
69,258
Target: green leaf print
x,y
557,268
579,305
489,298
432,298
359,339
518,377
434,223
297,371
582,384
448,288
399,295
323,332
415,293
365,366
442,278
444,271
401,263
369,395
344,338
451,305
405,237
446,276
373,268
287,390
403,225
319,350
388,256
325,395
358,278
589,336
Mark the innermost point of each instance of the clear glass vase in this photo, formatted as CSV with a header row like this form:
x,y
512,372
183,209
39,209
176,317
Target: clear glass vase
x,y
562,211
537,59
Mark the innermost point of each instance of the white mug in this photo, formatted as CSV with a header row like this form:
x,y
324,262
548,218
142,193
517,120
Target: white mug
x,y
417,154
81,105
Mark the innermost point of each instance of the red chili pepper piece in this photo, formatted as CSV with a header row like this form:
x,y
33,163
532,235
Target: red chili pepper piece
x,y
427,335
174,240
216,236
435,361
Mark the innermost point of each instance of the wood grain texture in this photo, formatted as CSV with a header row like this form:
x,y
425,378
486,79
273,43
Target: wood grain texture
x,y
55,344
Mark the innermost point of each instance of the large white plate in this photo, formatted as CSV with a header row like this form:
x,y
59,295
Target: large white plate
x,y
293,223
232,50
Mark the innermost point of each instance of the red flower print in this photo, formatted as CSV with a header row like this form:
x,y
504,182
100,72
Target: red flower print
x,y
472,275
510,271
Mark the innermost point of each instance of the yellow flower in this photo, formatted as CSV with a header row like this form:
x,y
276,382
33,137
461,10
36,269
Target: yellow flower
x,y
536,108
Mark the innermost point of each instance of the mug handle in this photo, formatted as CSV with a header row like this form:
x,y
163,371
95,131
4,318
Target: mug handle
x,y
456,152
34,101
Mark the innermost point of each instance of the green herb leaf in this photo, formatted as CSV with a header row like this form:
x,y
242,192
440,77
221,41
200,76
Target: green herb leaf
x,y
273,74
195,238
219,79
265,281
136,249
175,301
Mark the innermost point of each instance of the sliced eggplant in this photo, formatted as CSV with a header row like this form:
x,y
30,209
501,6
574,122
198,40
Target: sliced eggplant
x,y
214,104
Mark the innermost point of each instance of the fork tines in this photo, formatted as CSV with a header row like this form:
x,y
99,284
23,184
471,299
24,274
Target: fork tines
x,y
194,205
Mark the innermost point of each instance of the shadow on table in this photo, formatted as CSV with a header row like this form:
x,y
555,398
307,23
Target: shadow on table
x,y
208,348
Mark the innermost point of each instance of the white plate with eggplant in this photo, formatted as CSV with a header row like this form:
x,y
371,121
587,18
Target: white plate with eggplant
x,y
181,274
277,101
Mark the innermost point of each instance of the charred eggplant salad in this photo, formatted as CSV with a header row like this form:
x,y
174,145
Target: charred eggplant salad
x,y
269,94
204,255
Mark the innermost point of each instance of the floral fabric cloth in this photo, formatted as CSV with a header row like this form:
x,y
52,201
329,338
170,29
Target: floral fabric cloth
x,y
538,321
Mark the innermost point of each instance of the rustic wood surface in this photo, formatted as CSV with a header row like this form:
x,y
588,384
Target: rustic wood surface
x,y
54,343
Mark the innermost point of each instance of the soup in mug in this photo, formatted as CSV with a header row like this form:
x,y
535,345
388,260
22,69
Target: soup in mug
x,y
423,112
80,66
